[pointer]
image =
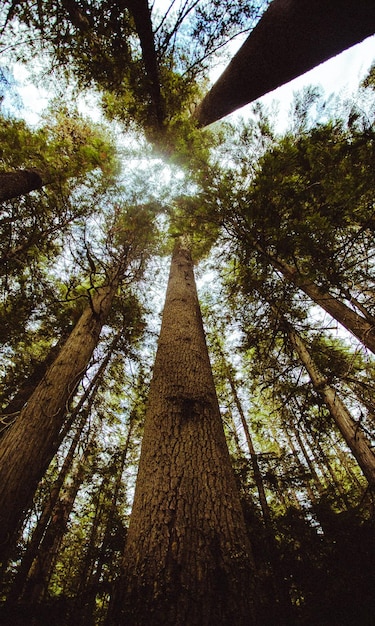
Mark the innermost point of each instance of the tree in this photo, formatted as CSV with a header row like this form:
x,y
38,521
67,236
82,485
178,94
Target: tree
x,y
27,448
290,39
187,556
67,146
349,429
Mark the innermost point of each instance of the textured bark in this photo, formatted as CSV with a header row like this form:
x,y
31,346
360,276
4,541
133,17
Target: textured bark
x,y
349,429
19,183
349,319
28,447
292,37
187,560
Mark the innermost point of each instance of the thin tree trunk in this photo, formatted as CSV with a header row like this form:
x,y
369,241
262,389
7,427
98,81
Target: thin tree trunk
x,y
292,37
350,431
27,449
253,456
327,468
142,19
10,412
301,468
19,183
349,319
281,592
92,584
41,570
187,557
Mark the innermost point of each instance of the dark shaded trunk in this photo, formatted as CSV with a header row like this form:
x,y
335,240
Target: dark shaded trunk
x,y
327,469
90,585
19,183
187,558
292,37
28,447
40,573
276,578
142,19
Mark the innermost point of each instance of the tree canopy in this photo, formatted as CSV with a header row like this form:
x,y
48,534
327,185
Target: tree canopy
x,y
281,229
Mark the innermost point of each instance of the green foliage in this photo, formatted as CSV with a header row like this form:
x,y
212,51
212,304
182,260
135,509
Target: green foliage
x,y
65,145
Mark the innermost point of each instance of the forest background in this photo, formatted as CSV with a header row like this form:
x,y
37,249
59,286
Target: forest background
x,y
281,222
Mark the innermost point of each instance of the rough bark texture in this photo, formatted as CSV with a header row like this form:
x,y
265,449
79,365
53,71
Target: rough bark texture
x,y
187,559
28,447
349,429
292,37
18,183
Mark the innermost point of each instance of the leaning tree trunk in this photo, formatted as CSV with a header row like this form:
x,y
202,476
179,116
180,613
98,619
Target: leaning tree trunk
x,y
27,449
19,183
357,325
32,550
292,37
349,429
187,559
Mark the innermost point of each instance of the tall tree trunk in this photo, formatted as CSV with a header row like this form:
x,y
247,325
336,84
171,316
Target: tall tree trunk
x,y
142,19
292,37
19,183
349,319
37,536
27,449
253,455
187,557
327,469
349,429
300,466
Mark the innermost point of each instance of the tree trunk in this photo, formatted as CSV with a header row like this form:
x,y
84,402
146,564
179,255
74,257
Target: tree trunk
x,y
276,576
187,559
253,455
349,319
90,585
10,412
36,538
19,183
42,567
27,449
292,37
349,429
142,19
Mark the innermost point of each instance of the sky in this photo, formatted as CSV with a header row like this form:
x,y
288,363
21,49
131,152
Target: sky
x,y
341,75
